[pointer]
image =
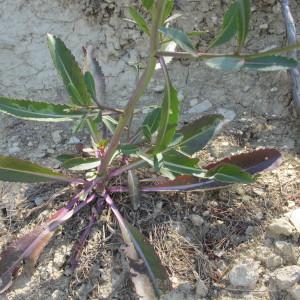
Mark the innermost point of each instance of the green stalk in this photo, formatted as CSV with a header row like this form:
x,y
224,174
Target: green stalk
x,y
141,86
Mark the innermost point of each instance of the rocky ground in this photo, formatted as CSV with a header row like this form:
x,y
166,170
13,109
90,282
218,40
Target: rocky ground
x,y
238,243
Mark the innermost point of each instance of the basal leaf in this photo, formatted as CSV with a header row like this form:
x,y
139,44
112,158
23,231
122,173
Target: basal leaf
x,y
168,9
139,20
253,162
229,26
81,163
231,174
169,116
69,70
128,149
148,275
270,63
151,123
90,84
39,111
17,170
243,19
199,132
64,157
225,63
179,37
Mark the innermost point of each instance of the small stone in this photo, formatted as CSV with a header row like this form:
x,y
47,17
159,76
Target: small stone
x,y
206,213
201,288
56,136
250,230
245,274
13,150
274,89
193,102
264,26
58,295
262,253
281,227
74,140
228,114
286,277
201,107
287,251
294,291
196,220
246,88
294,218
273,261
158,89
30,144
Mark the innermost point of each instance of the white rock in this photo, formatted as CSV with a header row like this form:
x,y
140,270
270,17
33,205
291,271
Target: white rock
x,y
273,261
56,137
281,227
228,114
287,251
58,295
159,88
197,220
294,218
294,291
286,277
201,107
194,102
245,274
201,288
74,140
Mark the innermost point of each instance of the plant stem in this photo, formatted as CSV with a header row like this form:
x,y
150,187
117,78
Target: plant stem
x,y
140,88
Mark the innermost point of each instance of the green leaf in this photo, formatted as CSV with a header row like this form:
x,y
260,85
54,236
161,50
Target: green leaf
x,y
110,123
229,26
169,117
243,19
230,174
198,133
63,157
270,63
180,38
139,20
18,170
128,149
180,163
90,84
147,3
81,164
151,123
225,63
168,9
69,71
39,111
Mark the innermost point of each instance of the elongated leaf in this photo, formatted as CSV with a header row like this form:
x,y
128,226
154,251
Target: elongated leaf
x,y
148,275
225,63
81,164
147,3
139,20
168,9
169,116
63,157
230,174
18,170
128,149
243,19
134,190
69,70
39,111
110,123
151,123
229,26
270,63
198,133
96,80
27,248
253,162
179,37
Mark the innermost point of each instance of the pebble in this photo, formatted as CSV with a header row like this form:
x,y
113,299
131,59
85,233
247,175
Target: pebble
x,y
294,291
201,107
274,261
56,136
159,88
281,227
287,251
74,140
286,277
294,218
201,288
228,114
245,274
196,220
58,295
